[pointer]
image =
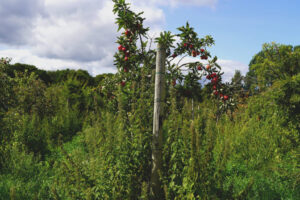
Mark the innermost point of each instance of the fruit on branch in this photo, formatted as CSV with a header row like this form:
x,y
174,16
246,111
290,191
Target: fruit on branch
x,y
194,53
174,82
204,57
123,83
189,44
127,33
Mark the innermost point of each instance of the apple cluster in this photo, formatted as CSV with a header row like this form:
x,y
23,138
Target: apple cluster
x,y
193,51
194,47
215,81
124,49
129,57
127,50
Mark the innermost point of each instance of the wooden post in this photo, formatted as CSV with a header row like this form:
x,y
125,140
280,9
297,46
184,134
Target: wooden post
x,y
193,114
156,189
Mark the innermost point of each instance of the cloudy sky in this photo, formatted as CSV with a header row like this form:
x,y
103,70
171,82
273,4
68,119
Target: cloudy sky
x,y
59,34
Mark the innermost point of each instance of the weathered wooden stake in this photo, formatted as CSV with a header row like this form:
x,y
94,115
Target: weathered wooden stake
x,y
193,114
156,189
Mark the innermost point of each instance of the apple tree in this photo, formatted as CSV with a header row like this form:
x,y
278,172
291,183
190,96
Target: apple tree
x,y
135,63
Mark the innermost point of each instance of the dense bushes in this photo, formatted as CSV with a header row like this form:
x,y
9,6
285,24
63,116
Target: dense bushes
x,y
73,140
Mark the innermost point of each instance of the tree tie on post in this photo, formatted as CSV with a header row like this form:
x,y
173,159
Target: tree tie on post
x,y
158,100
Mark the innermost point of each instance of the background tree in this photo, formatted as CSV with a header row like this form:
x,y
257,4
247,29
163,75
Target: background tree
x,y
250,81
6,93
274,62
237,80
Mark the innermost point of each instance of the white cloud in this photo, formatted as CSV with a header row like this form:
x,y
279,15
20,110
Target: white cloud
x,y
83,35
176,3
104,66
27,57
227,66
70,30
54,34
17,20
210,3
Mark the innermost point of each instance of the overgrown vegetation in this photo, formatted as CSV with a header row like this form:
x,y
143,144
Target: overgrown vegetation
x,y
72,140
68,135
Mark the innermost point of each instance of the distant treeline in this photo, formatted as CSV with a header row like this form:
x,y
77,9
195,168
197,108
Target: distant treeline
x,y
58,76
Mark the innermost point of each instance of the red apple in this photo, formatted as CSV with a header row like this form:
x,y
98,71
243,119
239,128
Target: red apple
x,y
174,82
202,50
214,80
225,97
194,53
120,47
126,58
199,67
127,32
185,44
191,46
123,83
207,67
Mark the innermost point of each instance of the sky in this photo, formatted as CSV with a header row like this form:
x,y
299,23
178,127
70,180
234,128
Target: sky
x,y
81,34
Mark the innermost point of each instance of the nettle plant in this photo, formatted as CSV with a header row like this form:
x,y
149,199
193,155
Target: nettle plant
x,y
132,56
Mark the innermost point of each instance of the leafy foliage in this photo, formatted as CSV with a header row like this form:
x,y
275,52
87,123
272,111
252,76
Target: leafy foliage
x,y
73,136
